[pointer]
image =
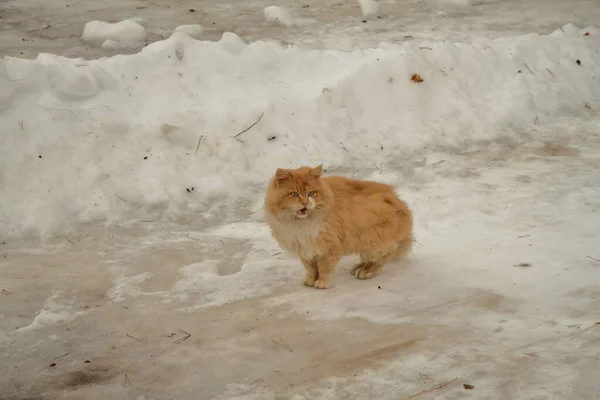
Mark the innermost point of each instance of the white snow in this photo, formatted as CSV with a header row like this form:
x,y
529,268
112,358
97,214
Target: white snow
x,y
123,31
120,44
124,137
278,15
233,44
193,30
370,8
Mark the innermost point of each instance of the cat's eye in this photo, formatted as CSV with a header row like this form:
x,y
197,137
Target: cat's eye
x,y
310,194
294,194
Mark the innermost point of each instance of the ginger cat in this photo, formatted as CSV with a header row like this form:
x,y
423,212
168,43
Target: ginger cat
x,y
321,219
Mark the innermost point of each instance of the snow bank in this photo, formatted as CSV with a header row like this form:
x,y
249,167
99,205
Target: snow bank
x,y
123,31
157,132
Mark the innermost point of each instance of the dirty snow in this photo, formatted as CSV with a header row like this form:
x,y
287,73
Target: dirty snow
x,y
135,260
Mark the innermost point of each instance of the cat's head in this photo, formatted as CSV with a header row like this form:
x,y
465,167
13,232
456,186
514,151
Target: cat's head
x,y
298,193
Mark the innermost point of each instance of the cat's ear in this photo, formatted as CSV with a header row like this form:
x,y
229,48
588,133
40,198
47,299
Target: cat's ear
x,y
316,172
281,175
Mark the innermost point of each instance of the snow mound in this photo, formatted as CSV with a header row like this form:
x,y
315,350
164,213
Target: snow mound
x,y
232,43
123,31
277,15
165,132
194,30
370,8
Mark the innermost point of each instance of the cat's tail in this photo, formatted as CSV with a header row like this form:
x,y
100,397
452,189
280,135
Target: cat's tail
x,y
403,248
406,238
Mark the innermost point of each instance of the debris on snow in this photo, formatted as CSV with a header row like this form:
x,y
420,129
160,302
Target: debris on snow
x,y
416,78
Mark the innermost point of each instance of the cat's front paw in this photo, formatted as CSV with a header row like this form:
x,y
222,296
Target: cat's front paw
x,y
309,280
322,284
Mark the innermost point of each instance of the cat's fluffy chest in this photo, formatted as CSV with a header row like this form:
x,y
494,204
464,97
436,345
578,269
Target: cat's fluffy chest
x,y
297,237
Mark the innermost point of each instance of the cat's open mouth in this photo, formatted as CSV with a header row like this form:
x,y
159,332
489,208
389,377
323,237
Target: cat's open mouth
x,y
302,212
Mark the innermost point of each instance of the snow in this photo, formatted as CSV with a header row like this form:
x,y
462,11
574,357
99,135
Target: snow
x,y
193,30
118,151
278,15
370,8
119,44
126,30
131,192
52,313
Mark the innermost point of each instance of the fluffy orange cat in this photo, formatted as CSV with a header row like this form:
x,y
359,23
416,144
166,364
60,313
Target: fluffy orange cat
x,y
321,219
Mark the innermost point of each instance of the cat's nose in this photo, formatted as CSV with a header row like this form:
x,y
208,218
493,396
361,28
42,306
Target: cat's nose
x,y
304,203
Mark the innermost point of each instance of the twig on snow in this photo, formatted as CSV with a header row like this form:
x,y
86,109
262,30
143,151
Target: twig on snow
x,y
126,381
136,339
592,258
189,237
283,344
198,145
586,329
121,198
248,128
183,339
59,357
436,387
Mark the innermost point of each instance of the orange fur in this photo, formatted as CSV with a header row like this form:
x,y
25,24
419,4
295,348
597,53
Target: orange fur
x,y
321,219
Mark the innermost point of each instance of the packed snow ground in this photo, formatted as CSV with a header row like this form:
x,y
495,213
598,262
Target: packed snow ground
x,y
131,214
502,280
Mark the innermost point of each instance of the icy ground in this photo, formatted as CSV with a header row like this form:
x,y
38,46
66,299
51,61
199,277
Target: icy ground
x,y
500,283
135,263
